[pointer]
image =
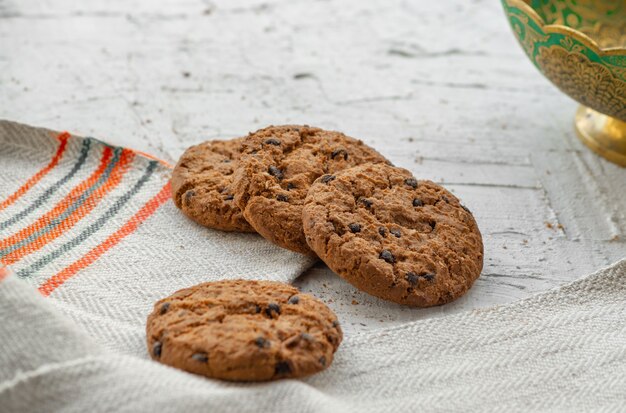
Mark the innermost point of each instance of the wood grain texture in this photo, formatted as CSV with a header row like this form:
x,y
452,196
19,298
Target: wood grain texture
x,y
440,88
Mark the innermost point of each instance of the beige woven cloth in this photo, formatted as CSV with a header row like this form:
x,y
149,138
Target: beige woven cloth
x,y
73,309
564,350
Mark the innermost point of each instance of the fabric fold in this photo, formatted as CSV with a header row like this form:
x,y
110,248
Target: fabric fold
x,y
563,350
73,311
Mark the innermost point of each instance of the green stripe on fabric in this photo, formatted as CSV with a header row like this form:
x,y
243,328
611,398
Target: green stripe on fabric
x,y
43,198
70,210
93,228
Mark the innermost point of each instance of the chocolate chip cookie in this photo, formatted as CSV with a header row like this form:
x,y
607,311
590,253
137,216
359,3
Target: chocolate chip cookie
x,y
279,165
392,236
201,185
244,331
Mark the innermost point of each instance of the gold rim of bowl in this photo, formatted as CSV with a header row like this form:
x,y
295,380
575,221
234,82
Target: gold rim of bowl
x,y
566,30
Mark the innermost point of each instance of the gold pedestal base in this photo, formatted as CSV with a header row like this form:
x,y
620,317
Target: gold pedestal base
x,y
603,134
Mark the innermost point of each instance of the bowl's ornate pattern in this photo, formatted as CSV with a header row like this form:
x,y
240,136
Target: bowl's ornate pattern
x,y
573,61
602,20
575,74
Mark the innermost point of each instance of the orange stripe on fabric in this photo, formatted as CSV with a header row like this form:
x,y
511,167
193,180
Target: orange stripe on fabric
x,y
4,273
62,205
63,137
128,228
90,203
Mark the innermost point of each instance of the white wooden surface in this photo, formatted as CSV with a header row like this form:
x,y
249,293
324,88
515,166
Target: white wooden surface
x,y
441,88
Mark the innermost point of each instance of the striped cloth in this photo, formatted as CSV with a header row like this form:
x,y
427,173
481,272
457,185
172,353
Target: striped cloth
x,y
90,226
93,227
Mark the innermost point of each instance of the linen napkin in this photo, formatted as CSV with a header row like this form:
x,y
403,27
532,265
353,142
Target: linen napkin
x,y
72,322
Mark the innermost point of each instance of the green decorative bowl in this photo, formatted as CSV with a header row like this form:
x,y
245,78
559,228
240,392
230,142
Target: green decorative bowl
x,y
580,45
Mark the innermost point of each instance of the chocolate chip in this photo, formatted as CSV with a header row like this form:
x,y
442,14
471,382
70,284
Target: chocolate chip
x,y
428,276
272,307
226,161
282,198
274,171
335,324
201,357
354,227
290,186
446,200
322,361
366,202
257,308
294,299
413,278
273,141
339,152
412,182
188,195
333,339
156,349
466,209
327,178
418,202
164,308
261,342
387,256
282,367
229,197
382,231
307,337
396,232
